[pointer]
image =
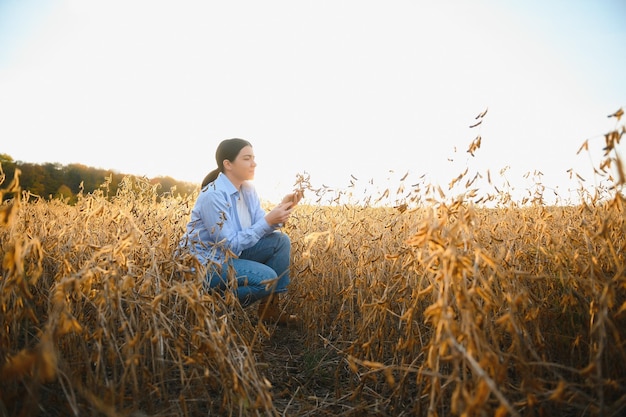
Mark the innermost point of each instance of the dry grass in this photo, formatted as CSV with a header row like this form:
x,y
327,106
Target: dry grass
x,y
97,305
424,305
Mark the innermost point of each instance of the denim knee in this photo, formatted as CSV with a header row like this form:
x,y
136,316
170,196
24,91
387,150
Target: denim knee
x,y
282,241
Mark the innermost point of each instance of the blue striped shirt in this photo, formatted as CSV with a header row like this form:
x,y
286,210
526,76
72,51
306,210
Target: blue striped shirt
x,y
214,228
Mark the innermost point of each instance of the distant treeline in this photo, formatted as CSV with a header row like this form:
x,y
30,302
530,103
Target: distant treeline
x,y
53,180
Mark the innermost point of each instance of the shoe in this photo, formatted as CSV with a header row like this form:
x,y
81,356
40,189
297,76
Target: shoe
x,y
270,312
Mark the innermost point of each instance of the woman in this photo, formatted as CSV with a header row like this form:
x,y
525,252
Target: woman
x,y
233,236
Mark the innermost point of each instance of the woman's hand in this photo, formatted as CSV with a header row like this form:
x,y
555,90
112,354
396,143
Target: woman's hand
x,y
293,198
279,214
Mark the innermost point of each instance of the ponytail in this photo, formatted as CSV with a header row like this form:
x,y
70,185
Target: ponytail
x,y
211,176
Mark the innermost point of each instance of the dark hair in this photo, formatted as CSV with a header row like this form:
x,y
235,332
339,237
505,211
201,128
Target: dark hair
x,y
227,149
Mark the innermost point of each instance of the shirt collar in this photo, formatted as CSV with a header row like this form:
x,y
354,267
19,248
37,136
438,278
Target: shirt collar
x,y
224,183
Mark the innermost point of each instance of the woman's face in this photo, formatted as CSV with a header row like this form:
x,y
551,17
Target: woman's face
x,y
242,168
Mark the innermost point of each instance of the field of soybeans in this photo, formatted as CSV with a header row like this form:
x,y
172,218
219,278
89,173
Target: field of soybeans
x,y
427,303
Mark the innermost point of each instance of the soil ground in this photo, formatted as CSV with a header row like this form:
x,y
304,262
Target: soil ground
x,y
308,381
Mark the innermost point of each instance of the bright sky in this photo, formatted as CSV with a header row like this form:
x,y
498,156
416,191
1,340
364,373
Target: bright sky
x,y
331,88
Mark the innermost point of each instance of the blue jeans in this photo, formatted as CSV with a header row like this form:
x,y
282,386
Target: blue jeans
x,y
260,270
